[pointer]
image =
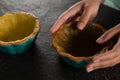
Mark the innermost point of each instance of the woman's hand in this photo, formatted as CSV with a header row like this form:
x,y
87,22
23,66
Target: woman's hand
x,y
109,58
83,11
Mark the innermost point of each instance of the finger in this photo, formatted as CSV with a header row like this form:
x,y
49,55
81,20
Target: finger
x,y
103,64
77,19
92,16
67,14
105,56
108,34
84,18
109,54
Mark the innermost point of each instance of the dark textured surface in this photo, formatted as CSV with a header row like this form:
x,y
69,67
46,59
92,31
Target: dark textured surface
x,y
41,62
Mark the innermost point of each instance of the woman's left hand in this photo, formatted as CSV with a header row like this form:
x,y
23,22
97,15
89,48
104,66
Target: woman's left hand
x,y
109,58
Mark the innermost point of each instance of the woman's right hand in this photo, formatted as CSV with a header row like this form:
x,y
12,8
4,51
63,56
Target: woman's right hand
x,y
83,11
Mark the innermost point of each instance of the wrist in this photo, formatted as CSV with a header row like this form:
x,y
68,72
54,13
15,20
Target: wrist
x,y
100,1
96,1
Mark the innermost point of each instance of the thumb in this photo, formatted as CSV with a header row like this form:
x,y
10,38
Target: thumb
x,y
108,34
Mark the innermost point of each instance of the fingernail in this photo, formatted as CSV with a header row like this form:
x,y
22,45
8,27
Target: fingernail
x,y
52,30
99,40
89,69
81,26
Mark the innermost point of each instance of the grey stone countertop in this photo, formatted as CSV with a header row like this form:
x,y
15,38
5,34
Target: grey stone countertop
x,y
42,62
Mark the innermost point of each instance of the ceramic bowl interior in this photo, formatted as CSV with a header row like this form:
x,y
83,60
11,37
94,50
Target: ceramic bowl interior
x,y
78,43
16,26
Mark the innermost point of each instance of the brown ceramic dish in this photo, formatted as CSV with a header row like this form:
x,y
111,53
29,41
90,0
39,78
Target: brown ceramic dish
x,y
77,47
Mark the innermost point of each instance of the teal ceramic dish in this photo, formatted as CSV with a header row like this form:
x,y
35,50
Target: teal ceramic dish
x,y
18,30
77,47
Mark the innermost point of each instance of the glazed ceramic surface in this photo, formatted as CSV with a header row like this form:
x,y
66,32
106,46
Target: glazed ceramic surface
x,y
77,47
18,30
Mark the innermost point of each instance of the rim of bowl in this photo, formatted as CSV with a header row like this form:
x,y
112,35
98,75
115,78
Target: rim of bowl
x,y
33,34
70,56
